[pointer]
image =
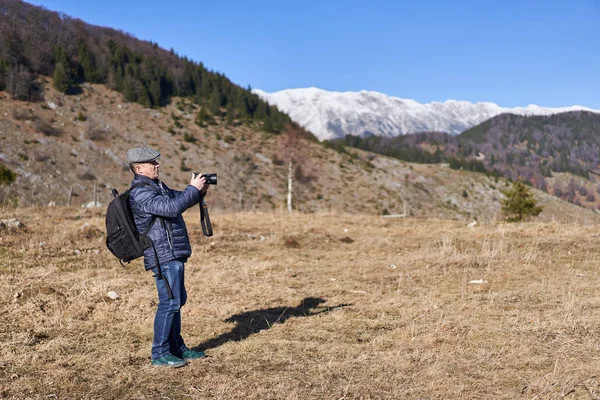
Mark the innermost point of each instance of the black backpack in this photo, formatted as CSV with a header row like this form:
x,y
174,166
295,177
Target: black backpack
x,y
122,236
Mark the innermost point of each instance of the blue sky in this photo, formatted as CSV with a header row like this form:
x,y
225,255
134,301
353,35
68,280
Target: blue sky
x,y
513,53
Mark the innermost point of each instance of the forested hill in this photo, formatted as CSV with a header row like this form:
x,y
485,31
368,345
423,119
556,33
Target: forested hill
x,y
531,148
35,41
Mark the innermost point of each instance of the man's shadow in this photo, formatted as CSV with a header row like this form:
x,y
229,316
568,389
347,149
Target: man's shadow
x,y
251,322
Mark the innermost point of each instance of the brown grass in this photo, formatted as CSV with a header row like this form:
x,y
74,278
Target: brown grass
x,y
306,307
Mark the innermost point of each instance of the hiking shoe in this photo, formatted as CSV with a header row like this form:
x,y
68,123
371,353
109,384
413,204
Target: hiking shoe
x,y
169,361
192,355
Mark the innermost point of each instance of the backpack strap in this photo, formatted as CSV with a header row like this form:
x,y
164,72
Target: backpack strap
x,y
154,218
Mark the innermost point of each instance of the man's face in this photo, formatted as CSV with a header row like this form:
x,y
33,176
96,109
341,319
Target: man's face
x,y
149,169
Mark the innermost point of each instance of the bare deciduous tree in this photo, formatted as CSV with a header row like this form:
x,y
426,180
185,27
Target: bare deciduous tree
x,y
293,150
242,168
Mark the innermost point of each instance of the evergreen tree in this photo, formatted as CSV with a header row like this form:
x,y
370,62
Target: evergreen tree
x,y
230,115
519,203
268,126
155,93
3,74
129,90
87,70
61,79
202,117
143,96
216,101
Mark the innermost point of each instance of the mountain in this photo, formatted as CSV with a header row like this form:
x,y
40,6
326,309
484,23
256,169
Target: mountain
x,y
331,115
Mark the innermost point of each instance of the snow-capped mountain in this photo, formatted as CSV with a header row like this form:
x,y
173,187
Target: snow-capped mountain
x,y
331,115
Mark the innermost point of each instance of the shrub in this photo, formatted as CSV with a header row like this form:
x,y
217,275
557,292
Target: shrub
x,y
276,160
183,167
87,176
189,138
229,139
7,176
47,129
21,115
42,157
95,131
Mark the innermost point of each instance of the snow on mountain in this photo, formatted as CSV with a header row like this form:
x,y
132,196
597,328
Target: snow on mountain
x,y
331,115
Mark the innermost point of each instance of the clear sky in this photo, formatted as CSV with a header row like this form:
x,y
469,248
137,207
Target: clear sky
x,y
510,52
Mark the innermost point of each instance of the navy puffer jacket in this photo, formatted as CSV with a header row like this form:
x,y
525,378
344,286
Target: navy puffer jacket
x,y
155,201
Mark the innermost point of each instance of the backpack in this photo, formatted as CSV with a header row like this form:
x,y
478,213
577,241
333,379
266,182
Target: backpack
x,y
122,236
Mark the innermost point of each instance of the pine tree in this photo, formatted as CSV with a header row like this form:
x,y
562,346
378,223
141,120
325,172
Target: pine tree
x,y
87,64
202,117
3,74
143,97
268,125
230,115
155,92
129,89
216,101
61,79
519,203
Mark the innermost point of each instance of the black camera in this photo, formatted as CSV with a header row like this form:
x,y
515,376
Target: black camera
x,y
211,179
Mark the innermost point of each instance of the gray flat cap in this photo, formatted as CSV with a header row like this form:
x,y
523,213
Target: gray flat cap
x,y
141,155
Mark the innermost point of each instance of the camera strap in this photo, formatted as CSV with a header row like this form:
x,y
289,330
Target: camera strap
x,y
205,219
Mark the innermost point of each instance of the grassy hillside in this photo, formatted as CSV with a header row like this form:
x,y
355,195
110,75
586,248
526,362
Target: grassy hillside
x,y
299,307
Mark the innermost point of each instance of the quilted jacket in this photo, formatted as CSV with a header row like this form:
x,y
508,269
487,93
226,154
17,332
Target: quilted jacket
x,y
162,206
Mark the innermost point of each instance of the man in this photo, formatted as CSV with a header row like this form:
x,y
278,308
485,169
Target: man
x,y
157,209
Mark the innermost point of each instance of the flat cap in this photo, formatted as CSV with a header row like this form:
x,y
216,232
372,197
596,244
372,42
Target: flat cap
x,y
141,155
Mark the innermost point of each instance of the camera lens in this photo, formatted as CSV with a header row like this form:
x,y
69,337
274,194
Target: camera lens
x,y
211,179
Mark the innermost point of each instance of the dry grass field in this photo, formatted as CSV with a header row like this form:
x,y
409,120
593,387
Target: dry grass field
x,y
315,306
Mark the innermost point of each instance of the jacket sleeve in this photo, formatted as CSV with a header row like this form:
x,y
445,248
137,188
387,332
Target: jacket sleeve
x,y
151,202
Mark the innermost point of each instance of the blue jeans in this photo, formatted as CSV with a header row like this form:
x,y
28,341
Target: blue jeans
x,y
167,322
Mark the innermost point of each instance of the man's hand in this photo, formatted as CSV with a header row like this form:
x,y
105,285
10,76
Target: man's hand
x,y
199,182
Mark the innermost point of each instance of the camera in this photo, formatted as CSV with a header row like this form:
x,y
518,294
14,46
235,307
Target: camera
x,y
210,178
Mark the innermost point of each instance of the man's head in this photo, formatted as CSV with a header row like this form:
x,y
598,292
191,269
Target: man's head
x,y
144,161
